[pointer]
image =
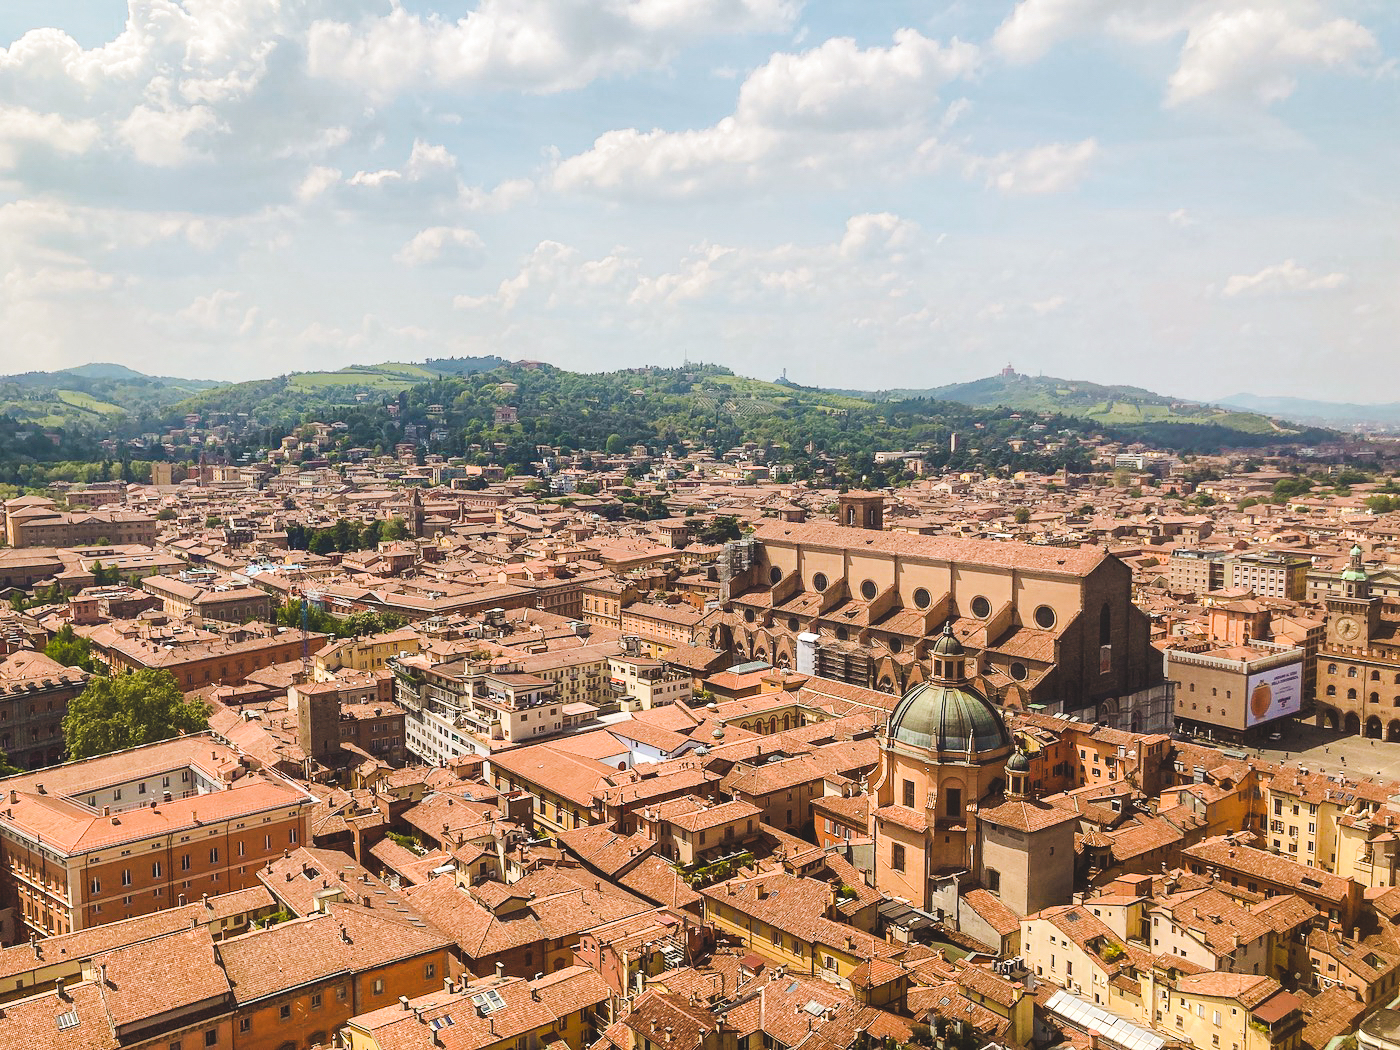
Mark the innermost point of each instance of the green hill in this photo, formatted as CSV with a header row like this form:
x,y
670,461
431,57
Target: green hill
x,y
809,432
1113,406
291,397
92,396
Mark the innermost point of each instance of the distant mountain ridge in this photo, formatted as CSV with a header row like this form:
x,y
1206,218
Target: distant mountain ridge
x,y
1327,413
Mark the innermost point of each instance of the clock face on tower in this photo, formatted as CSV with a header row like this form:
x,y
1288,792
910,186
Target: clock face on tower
x,y
1347,628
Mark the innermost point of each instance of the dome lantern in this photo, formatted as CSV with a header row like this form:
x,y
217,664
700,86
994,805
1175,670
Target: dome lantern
x,y
945,714
1018,775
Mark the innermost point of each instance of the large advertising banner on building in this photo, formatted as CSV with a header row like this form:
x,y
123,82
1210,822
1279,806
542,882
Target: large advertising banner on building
x,y
1275,693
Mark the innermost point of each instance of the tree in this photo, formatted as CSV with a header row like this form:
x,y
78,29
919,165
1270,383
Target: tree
x,y
1380,504
71,650
103,576
115,713
719,529
1022,515
614,445
1286,489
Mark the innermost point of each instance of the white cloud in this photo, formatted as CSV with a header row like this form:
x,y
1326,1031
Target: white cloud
x,y
695,278
555,274
1282,278
869,235
1048,306
317,181
1036,26
502,197
442,244
218,314
871,262
374,178
21,126
1257,53
1237,50
162,137
186,80
833,109
52,281
530,46
1051,168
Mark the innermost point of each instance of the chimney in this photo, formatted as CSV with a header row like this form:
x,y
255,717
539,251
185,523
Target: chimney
x,y
500,970
102,975
761,891
403,1001
106,811
447,985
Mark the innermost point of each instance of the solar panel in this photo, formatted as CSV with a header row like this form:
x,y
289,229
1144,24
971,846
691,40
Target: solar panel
x,y
67,1020
438,1023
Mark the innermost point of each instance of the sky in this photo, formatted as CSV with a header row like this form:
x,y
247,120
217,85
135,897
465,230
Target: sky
x,y
1195,196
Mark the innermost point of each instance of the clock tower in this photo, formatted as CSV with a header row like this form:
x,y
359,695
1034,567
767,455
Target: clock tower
x,y
1352,615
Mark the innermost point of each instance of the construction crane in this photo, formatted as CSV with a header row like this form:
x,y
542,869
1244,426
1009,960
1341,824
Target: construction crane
x,y
307,597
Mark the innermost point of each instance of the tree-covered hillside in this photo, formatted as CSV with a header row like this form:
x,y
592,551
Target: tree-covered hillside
x,y
95,396
1127,407
661,410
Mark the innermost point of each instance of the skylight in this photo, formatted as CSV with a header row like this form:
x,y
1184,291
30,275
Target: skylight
x,y
488,1002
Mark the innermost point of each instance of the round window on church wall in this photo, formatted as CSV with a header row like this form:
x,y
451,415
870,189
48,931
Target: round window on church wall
x,y
819,581
792,623
842,634
981,608
896,645
868,590
775,574
1018,671
1045,617
922,598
